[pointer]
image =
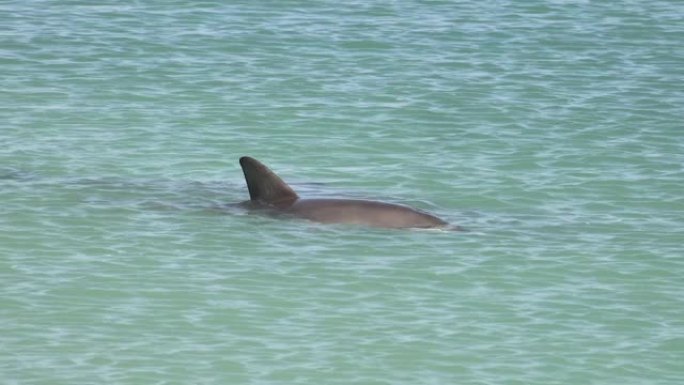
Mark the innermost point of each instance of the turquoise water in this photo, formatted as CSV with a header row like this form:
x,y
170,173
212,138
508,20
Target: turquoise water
x,y
552,130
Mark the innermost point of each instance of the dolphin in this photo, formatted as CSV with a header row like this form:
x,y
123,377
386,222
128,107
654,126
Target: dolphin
x,y
267,190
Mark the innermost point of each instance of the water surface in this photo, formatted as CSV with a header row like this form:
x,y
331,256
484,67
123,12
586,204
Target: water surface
x,y
550,129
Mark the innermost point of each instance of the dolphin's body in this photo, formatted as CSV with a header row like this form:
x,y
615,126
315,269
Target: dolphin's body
x,y
267,190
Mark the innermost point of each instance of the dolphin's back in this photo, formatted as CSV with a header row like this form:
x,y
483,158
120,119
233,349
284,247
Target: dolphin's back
x,y
362,212
266,189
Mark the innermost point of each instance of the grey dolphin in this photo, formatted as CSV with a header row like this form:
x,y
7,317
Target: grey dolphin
x,y
267,190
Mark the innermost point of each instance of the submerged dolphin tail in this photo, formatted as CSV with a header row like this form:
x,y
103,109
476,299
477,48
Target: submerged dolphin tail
x,y
264,185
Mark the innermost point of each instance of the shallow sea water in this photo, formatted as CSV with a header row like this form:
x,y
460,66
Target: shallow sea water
x,y
551,130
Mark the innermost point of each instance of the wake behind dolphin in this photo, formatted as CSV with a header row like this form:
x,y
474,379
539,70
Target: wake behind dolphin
x,y
267,190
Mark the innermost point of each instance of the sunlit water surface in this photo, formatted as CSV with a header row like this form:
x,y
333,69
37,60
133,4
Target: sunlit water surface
x,y
551,130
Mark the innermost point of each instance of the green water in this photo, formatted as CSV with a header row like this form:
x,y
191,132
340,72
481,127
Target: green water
x,y
551,130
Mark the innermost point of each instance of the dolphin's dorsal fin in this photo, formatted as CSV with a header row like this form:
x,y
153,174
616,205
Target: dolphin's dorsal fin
x,y
264,185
